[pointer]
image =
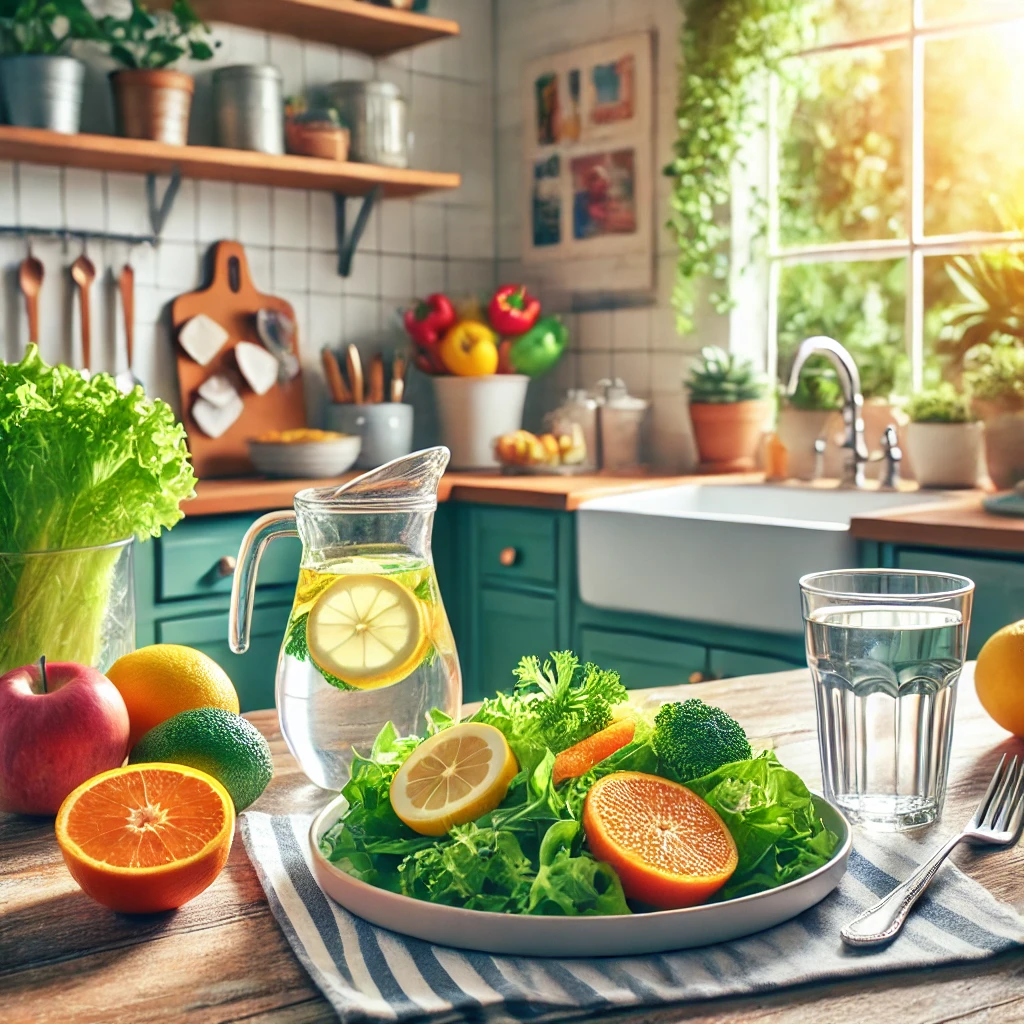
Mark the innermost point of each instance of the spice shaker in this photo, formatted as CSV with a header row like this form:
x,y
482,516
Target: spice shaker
x,y
622,422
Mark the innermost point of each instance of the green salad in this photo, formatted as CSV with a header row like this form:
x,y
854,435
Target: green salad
x,y
572,734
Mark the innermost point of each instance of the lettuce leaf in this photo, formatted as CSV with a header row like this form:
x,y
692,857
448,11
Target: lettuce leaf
x,y
771,816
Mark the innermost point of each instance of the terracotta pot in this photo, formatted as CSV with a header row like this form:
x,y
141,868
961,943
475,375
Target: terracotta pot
x,y
947,454
153,104
728,433
1004,443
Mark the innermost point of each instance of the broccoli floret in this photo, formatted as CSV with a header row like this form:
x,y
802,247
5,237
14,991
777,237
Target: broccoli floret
x,y
693,739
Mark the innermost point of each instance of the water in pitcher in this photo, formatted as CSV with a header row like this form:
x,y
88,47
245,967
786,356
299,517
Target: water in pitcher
x,y
367,642
885,680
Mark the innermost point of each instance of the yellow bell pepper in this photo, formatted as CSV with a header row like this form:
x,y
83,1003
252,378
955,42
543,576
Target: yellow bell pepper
x,y
470,349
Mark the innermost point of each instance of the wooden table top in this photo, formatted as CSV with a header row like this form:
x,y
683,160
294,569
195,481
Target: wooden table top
x,y
222,957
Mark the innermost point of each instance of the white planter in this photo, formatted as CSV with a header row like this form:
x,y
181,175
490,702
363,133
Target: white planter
x,y
475,411
946,454
1004,445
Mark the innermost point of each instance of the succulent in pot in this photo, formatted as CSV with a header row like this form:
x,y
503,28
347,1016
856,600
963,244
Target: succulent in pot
x,y
728,409
994,373
944,438
40,85
151,100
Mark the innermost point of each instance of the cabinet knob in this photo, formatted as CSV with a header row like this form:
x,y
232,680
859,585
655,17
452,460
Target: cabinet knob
x,y
226,565
696,677
508,556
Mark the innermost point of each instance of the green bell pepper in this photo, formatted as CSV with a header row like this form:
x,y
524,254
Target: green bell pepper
x,y
536,351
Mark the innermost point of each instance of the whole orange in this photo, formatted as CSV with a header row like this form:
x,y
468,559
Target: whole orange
x,y
999,677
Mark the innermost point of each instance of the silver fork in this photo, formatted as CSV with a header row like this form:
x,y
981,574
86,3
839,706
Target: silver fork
x,y
996,822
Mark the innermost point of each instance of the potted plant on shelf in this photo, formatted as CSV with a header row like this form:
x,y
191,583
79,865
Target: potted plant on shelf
x,y
728,409
41,86
151,100
995,375
944,438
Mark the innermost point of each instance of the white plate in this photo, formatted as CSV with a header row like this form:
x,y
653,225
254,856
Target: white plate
x,y
625,935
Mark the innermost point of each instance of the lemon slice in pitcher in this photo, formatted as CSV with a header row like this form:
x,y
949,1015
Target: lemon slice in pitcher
x,y
456,775
369,631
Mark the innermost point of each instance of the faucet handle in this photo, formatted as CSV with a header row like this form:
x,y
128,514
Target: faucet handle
x,y
892,453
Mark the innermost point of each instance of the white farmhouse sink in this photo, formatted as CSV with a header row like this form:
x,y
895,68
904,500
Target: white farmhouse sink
x,y
720,553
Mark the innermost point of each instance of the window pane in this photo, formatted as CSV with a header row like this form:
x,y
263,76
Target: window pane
x,y
974,145
970,10
968,299
841,127
845,20
861,305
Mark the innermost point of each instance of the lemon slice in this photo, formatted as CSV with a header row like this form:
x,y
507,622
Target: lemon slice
x,y
367,630
454,776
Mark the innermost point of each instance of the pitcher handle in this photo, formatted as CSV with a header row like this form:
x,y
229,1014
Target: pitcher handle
x,y
243,588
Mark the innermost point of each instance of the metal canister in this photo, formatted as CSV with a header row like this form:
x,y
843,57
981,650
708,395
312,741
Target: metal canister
x,y
38,91
375,113
249,107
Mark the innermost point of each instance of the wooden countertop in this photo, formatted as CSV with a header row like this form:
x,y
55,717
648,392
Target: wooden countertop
x,y
222,957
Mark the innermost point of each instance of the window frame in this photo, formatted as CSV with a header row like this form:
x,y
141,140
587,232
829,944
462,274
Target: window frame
x,y
916,245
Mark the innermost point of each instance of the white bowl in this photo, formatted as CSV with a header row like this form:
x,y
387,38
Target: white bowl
x,y
306,459
626,935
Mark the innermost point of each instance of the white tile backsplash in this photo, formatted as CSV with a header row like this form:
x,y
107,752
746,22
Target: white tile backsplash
x,y
291,217
215,211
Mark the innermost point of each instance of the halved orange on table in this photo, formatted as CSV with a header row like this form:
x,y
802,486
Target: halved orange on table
x,y
669,847
146,837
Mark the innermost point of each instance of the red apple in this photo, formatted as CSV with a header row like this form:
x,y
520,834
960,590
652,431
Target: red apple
x,y
60,724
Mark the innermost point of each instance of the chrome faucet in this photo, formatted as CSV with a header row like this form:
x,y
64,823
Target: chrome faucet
x,y
854,446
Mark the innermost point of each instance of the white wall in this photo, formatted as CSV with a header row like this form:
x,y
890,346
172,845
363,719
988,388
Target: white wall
x,y
639,343
410,248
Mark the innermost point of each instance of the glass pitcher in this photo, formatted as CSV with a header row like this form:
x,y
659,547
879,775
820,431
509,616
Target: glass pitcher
x,y
368,640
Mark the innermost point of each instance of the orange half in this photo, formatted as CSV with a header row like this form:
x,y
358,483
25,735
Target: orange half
x,y
669,847
147,837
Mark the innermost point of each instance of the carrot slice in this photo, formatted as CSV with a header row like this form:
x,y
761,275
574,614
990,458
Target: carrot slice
x,y
579,759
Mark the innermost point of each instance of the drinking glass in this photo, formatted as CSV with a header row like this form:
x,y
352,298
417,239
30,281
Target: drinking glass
x,y
885,649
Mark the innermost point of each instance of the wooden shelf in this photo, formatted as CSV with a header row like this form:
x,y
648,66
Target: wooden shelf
x,y
209,163
355,25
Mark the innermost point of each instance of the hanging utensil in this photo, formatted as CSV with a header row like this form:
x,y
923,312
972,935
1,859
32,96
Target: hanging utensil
x,y
276,331
126,379
335,381
30,280
398,378
83,273
354,366
375,391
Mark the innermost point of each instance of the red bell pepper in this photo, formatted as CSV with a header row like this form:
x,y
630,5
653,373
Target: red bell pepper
x,y
429,319
513,310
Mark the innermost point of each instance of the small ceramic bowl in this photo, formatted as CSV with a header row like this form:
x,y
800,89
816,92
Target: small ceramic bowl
x,y
305,459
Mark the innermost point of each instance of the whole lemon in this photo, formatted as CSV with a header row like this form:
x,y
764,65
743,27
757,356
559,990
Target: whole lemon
x,y
999,677
159,681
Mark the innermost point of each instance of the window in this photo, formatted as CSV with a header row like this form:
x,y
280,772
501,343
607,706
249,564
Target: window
x,y
895,144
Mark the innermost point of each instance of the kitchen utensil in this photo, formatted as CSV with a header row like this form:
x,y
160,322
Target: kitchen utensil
x,y
376,115
308,459
276,331
83,273
354,366
30,280
885,646
619,935
397,378
996,822
126,379
382,523
249,107
621,422
335,380
376,388
232,301
386,430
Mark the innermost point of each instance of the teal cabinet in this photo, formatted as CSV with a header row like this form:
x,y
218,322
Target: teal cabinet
x,y
724,663
642,661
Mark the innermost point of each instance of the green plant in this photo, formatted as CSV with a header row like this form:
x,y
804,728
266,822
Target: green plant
x,y
43,27
818,389
728,47
151,41
995,373
721,377
941,404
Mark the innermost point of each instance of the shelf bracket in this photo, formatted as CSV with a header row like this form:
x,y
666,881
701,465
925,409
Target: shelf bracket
x,y
348,242
160,210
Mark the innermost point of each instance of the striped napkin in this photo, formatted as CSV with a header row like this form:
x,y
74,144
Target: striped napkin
x,y
370,974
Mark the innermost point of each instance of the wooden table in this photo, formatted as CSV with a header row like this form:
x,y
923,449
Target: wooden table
x,y
222,957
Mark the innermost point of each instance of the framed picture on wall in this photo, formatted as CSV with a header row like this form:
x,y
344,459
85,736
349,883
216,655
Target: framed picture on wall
x,y
588,161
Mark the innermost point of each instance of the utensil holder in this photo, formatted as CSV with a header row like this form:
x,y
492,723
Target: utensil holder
x,y
385,427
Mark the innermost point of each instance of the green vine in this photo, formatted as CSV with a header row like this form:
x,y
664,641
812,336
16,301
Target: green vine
x,y
728,48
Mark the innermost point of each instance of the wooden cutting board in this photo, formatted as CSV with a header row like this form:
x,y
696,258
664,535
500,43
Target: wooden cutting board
x,y
233,302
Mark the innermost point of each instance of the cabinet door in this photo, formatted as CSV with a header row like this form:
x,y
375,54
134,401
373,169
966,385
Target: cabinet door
x,y
726,664
252,673
999,588
511,625
516,547
642,661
